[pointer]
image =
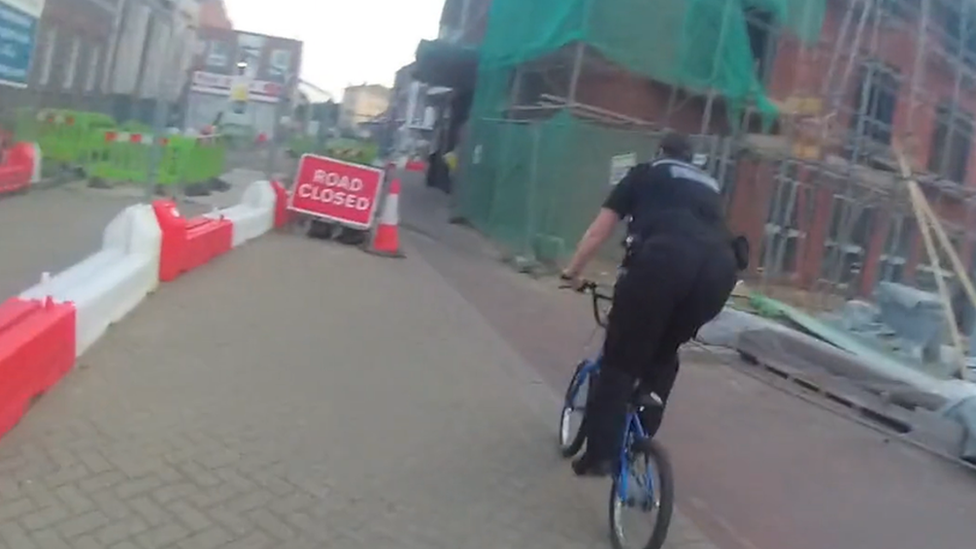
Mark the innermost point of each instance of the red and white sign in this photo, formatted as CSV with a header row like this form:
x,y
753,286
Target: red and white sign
x,y
221,84
337,191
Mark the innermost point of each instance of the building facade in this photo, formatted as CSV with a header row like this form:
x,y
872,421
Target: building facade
x,y
151,57
243,78
877,76
363,103
72,48
213,14
113,56
412,115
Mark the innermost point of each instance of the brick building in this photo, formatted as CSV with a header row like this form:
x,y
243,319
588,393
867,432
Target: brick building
x,y
877,75
213,14
271,74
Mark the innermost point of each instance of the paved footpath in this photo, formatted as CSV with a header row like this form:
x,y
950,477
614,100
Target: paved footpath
x,y
756,468
299,394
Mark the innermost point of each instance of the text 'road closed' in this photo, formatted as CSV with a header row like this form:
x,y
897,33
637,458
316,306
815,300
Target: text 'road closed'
x,y
336,191
332,196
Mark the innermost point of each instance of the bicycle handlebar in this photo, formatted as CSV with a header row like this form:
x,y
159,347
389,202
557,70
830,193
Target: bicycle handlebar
x,y
593,289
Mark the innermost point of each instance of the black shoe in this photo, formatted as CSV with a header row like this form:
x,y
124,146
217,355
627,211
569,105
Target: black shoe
x,y
588,467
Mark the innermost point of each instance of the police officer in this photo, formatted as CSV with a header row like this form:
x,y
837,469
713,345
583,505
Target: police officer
x,y
680,268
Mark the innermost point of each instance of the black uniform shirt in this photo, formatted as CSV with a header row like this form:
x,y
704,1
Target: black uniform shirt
x,y
668,197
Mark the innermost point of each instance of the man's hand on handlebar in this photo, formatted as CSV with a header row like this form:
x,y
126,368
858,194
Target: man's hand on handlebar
x,y
582,285
573,282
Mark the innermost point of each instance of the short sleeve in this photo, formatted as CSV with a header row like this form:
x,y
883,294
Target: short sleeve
x,y
621,199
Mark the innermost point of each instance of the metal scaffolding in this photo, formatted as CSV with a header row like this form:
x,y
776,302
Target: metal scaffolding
x,y
884,75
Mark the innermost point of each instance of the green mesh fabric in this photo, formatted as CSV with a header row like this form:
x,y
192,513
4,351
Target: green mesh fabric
x,y
534,186
696,44
521,187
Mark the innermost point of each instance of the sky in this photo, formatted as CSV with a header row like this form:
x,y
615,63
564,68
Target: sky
x,y
346,41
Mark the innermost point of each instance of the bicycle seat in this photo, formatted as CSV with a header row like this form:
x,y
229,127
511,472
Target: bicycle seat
x,y
646,400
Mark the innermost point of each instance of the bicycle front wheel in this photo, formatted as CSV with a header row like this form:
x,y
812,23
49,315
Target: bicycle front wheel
x,y
571,435
645,487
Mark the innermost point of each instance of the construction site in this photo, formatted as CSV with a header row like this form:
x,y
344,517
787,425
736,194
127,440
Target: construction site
x,y
841,132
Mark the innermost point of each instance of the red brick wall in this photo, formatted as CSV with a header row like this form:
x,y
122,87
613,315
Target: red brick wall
x,y
802,71
213,13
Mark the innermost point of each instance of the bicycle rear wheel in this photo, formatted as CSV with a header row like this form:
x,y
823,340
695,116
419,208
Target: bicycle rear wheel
x,y
650,493
571,435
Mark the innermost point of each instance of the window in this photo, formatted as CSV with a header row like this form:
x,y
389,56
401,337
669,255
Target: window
x,y
783,235
875,105
897,249
951,141
760,28
71,69
218,54
51,43
94,60
848,238
926,272
281,61
959,21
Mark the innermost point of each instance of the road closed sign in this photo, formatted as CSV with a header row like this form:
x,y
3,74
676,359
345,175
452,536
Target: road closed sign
x,y
336,191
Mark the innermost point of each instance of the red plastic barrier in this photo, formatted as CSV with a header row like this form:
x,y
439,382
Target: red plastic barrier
x,y
37,348
17,167
416,166
188,244
282,213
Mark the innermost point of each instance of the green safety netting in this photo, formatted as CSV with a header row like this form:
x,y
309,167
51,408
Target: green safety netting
x,y
696,44
534,186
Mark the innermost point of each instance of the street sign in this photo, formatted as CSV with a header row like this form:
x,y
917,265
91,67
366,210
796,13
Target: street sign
x,y
18,29
336,191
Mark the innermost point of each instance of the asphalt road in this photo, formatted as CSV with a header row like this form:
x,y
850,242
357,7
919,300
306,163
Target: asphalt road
x,y
757,468
51,229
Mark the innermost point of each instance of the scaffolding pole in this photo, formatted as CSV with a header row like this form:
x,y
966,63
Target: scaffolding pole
x,y
716,61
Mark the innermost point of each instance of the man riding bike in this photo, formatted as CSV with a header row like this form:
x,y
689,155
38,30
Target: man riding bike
x,y
679,269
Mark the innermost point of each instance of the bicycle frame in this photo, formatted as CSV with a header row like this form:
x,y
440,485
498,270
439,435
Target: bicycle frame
x,y
634,429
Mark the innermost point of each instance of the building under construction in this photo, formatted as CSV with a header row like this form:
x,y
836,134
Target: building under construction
x,y
798,106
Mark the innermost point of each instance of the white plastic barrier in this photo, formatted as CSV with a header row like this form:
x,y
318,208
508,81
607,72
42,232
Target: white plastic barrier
x,y
254,216
109,284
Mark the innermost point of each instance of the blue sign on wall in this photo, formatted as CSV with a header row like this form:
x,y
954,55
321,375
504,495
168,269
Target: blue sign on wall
x,y
17,37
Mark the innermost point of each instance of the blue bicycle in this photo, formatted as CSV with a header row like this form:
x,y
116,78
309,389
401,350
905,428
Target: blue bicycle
x,y
641,458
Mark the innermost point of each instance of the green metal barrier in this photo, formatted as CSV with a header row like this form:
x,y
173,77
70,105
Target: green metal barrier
x,y
66,136
126,157
94,142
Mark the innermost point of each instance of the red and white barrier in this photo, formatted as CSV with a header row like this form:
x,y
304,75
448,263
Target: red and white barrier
x,y
110,283
189,243
254,216
48,326
20,167
37,348
126,137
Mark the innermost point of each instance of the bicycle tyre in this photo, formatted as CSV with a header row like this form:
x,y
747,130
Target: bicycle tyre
x,y
662,462
569,448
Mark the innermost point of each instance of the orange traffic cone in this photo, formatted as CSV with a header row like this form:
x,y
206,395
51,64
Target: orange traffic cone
x,y
386,237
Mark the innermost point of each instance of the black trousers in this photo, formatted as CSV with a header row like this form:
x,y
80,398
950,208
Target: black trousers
x,y
673,286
